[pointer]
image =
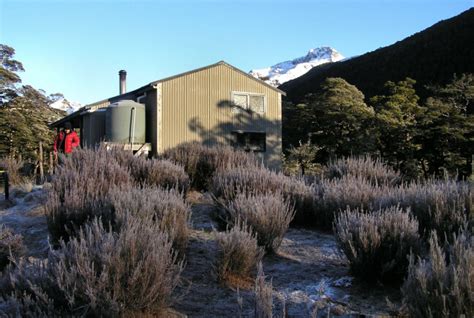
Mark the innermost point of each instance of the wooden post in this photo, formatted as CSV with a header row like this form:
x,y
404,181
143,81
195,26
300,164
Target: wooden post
x,y
51,164
6,185
40,158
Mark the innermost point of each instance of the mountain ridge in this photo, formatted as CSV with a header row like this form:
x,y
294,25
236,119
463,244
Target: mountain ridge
x,y
430,56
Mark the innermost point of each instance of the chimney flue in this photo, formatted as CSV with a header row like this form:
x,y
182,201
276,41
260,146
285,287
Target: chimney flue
x,y
122,82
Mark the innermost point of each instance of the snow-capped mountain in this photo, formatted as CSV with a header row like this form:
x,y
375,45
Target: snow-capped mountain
x,y
288,70
65,105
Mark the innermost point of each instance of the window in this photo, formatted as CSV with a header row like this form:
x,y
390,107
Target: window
x,y
250,141
248,101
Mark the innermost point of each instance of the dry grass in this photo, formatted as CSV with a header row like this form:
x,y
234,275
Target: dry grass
x,y
443,284
268,215
238,254
166,208
377,244
263,295
11,245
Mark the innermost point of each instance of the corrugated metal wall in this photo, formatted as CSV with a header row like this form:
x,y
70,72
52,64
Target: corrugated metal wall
x,y
197,107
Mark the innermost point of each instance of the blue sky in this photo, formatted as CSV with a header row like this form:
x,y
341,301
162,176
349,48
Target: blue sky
x,y
78,47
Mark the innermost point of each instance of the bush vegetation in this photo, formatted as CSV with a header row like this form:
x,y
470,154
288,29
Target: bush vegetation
x,y
99,273
257,181
441,205
11,245
79,191
160,173
377,244
442,285
238,254
268,216
166,208
201,162
373,170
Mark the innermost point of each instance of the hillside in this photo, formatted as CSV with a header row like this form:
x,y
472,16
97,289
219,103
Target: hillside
x,y
431,56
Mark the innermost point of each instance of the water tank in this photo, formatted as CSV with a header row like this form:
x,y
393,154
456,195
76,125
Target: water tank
x,y
125,122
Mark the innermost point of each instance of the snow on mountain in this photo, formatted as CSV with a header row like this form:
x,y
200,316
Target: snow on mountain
x,y
65,105
288,70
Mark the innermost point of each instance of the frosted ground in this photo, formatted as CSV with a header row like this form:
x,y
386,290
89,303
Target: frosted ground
x,y
309,275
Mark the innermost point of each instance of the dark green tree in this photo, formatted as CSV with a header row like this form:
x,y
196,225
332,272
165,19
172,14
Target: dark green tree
x,y
8,77
396,120
24,111
447,128
338,120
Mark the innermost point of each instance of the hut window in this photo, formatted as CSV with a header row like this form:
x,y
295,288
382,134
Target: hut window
x,y
248,102
250,141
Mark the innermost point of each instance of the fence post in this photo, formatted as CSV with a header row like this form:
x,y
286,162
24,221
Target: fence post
x,y
51,164
40,158
6,185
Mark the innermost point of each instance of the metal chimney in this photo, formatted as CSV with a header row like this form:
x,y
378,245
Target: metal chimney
x,y
122,82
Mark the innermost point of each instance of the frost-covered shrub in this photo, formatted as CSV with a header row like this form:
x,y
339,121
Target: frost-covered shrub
x,y
201,162
268,215
13,166
377,244
79,191
337,195
253,180
167,208
101,273
238,253
160,173
441,205
373,170
443,284
10,245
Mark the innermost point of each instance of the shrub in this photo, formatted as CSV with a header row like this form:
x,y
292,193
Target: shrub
x,y
252,180
79,191
441,205
167,208
443,284
268,215
201,162
238,253
102,273
337,195
377,245
161,173
13,166
373,170
10,245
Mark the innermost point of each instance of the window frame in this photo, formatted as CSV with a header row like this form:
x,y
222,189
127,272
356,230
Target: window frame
x,y
237,110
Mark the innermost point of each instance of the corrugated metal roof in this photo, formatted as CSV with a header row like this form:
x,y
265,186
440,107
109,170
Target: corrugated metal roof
x,y
150,86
